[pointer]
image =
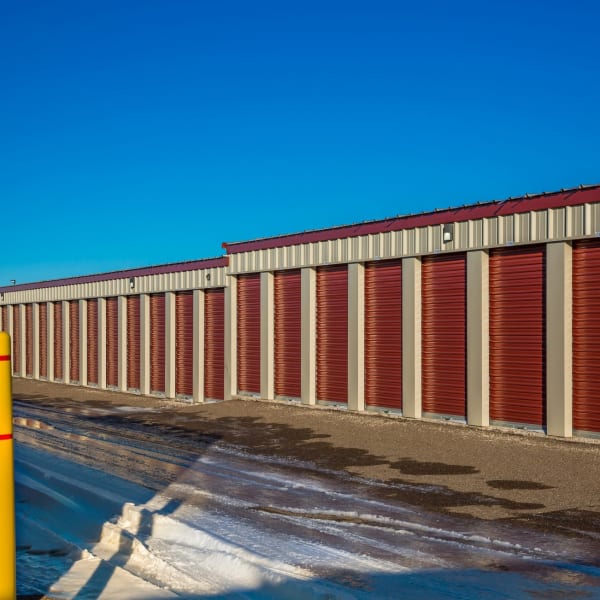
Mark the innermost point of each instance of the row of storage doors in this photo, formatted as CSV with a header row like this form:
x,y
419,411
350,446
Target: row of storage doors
x,y
214,320
517,336
517,282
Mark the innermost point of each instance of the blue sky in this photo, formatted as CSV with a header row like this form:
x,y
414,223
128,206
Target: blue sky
x,y
143,132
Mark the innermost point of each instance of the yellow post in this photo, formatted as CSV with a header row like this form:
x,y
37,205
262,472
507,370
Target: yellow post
x,y
8,563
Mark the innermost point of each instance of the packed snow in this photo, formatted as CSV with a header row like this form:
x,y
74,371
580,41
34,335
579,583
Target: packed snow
x,y
230,525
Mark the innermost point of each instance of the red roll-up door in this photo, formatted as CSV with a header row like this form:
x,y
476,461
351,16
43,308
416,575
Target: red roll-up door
x,y
133,342
332,334
586,336
74,341
444,347
16,351
92,341
29,340
248,334
184,343
288,333
43,333
517,335
214,344
5,318
58,341
157,343
383,334
112,342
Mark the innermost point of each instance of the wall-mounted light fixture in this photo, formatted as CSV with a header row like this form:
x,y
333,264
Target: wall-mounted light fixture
x,y
131,283
1,295
448,232
208,277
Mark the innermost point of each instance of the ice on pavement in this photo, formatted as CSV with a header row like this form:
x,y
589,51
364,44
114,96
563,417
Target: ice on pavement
x,y
231,526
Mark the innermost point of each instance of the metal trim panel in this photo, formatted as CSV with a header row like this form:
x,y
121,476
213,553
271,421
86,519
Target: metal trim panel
x,y
444,334
248,334
383,334
518,335
287,286
332,334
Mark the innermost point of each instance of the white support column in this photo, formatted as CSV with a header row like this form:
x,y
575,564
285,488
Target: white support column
x,y
478,339
170,344
36,340
122,310
50,323
83,343
198,346
66,342
356,336
309,335
23,336
559,339
102,343
267,337
411,338
230,337
145,344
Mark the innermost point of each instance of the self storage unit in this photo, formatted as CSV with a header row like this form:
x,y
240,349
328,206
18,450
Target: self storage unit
x,y
485,314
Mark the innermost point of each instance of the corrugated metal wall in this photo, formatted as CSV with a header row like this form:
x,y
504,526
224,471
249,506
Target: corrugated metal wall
x,y
29,340
112,342
248,334
58,341
383,334
43,332
214,344
133,343
74,341
518,335
92,341
288,333
332,334
586,336
157,343
444,331
184,343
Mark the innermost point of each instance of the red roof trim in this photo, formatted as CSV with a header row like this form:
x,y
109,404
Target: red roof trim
x,y
191,265
451,215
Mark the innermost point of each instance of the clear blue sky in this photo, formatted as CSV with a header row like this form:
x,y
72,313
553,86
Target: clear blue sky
x,y
143,132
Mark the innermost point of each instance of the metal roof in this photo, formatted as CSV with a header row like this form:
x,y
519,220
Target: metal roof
x,y
190,265
566,197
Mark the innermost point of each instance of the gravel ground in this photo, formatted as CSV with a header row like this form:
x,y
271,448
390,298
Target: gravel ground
x,y
489,474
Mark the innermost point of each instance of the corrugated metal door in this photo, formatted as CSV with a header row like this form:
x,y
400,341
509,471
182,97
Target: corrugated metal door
x,y
133,342
517,335
58,341
43,340
29,340
248,333
74,341
444,347
184,343
112,342
16,339
383,334
92,341
157,343
214,344
288,333
332,334
586,334
5,318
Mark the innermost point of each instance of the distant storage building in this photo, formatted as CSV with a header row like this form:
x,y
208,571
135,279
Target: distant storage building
x,y
486,314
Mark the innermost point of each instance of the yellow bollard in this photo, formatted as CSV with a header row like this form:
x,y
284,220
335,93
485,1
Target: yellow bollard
x,y
8,563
